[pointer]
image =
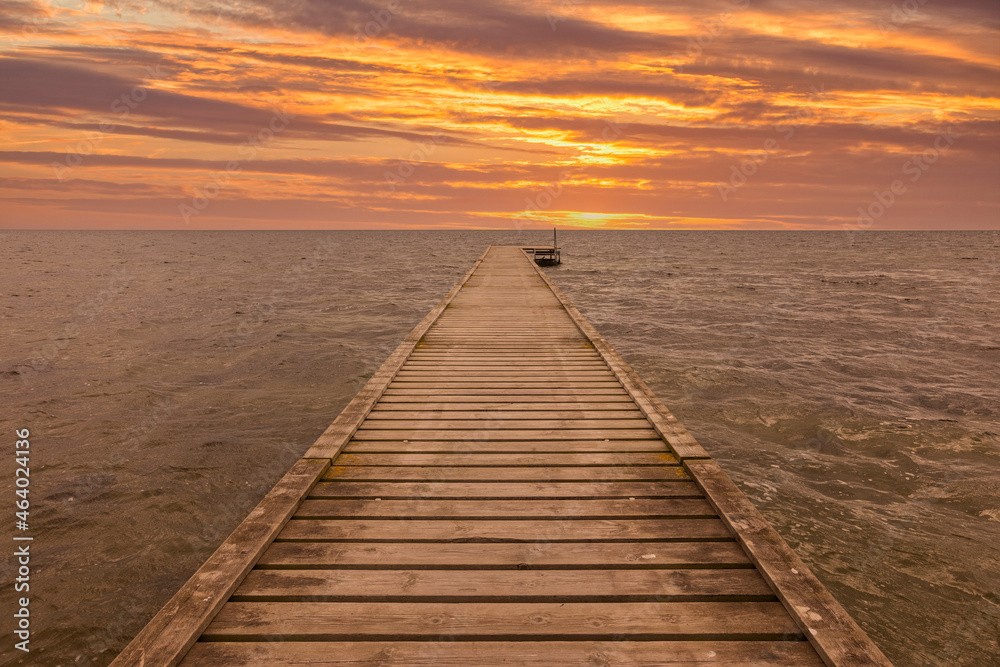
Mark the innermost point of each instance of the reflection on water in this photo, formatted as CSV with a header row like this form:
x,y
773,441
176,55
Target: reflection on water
x,y
847,385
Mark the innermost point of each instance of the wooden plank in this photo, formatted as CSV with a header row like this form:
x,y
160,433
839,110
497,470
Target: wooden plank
x,y
167,637
504,585
513,361
333,439
640,508
449,653
517,365
501,369
458,459
542,332
554,393
530,337
501,446
505,375
505,342
427,354
540,383
536,397
513,348
496,340
492,421
519,361
376,621
473,434
579,349
666,473
482,365
832,632
384,409
494,359
505,415
510,530
505,490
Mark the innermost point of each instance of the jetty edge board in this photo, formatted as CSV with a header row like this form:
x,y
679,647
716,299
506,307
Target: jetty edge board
x,y
504,490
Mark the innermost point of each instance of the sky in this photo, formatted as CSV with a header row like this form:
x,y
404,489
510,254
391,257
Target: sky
x,y
515,114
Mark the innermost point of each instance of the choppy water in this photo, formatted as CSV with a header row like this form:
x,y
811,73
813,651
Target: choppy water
x,y
848,385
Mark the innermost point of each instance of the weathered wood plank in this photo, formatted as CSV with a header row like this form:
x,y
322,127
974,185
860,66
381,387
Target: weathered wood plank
x,y
448,653
502,415
541,332
504,585
510,530
501,370
833,633
457,509
452,402
515,348
427,354
497,363
543,393
168,636
666,473
493,368
489,422
459,446
473,434
458,459
540,383
505,555
536,397
505,376
338,621
505,490
384,409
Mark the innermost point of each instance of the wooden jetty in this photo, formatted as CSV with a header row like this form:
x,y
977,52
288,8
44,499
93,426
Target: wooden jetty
x,y
505,490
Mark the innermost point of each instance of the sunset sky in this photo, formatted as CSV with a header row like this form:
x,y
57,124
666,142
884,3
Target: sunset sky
x,y
309,114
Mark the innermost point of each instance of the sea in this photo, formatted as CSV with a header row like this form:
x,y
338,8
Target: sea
x,y
846,380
